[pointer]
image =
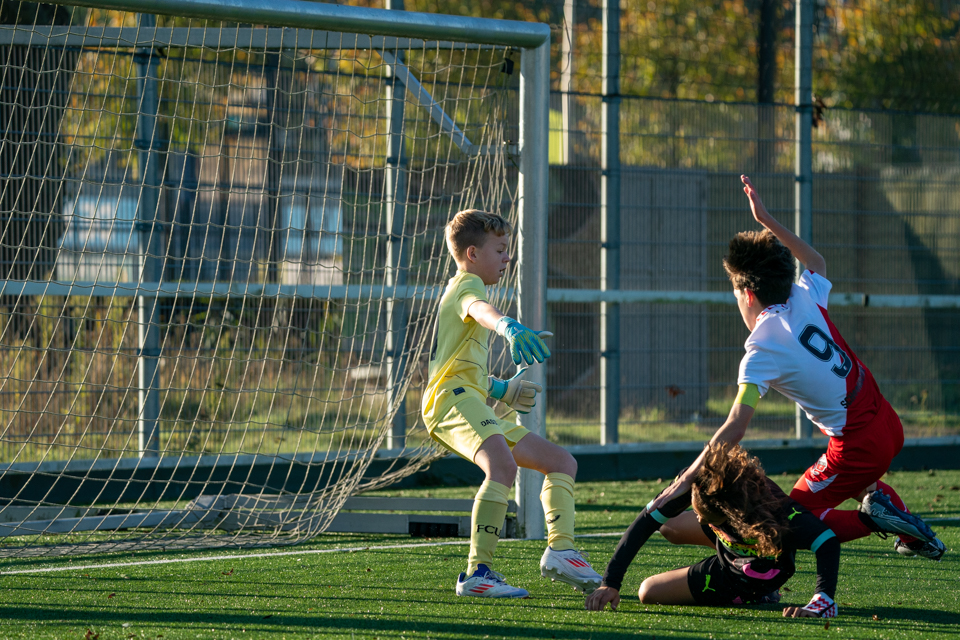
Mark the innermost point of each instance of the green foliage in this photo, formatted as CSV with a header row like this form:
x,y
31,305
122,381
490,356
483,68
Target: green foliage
x,y
688,49
76,349
867,54
890,55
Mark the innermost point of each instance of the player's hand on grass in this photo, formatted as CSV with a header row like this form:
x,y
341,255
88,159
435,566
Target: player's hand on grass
x,y
517,393
760,213
599,599
798,612
526,345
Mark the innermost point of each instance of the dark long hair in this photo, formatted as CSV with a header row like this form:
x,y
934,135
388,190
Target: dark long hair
x,y
732,483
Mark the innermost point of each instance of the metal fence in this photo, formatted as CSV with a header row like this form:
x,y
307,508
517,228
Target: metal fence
x,y
843,118
799,96
888,231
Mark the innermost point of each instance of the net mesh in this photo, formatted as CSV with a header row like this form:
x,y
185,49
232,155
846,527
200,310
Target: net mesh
x,y
221,252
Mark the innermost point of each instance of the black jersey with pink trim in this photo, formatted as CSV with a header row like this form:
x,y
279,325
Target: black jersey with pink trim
x,y
752,573
796,349
804,530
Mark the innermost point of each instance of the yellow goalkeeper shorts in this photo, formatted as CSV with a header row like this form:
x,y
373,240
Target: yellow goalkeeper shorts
x,y
468,423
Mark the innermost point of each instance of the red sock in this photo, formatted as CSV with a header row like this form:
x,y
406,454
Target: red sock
x,y
894,498
897,502
846,524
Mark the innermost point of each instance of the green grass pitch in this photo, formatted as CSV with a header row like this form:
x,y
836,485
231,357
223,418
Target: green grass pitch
x,y
407,593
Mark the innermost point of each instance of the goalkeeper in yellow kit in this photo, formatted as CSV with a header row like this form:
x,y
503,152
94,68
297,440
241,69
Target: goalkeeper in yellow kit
x,y
457,416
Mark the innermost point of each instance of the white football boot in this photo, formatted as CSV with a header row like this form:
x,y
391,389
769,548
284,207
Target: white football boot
x,y
487,583
570,567
933,549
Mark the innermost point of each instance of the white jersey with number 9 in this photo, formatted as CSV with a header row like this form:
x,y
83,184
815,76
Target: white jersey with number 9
x,y
795,349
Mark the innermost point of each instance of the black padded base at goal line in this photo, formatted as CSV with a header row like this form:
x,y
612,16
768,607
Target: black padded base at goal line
x,y
434,529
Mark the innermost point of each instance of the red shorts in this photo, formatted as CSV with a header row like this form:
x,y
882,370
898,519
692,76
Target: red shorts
x,y
852,462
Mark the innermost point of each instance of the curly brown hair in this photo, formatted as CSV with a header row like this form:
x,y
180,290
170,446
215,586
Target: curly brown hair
x,y
733,484
759,262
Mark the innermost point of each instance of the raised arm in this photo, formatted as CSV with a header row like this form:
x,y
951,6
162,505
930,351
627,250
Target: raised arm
x,y
486,315
806,254
526,345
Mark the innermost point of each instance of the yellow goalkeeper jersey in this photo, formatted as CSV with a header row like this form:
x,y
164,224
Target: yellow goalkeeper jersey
x,y
458,356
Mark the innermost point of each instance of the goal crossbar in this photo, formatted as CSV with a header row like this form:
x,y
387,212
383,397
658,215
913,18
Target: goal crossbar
x,y
240,37
320,16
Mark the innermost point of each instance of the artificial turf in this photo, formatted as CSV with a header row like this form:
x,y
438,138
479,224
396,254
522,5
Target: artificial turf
x,y
382,592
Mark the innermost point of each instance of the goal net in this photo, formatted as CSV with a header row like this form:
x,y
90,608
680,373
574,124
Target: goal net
x,y
221,252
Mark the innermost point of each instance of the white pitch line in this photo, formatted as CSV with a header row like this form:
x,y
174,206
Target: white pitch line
x,y
278,554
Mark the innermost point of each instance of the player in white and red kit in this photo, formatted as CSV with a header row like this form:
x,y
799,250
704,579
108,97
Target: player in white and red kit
x,y
794,348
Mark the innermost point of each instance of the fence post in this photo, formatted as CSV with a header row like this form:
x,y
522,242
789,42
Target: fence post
x,y
395,204
567,50
803,171
610,226
150,246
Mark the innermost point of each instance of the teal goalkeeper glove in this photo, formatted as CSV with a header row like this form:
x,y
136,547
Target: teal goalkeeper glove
x,y
525,344
517,393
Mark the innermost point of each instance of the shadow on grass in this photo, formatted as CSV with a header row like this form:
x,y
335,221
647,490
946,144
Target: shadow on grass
x,y
930,618
479,626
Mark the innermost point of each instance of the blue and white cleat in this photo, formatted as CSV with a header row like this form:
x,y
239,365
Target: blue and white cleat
x,y
933,549
487,583
889,519
570,567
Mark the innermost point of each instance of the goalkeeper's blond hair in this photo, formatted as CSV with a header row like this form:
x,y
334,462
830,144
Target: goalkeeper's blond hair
x,y
470,228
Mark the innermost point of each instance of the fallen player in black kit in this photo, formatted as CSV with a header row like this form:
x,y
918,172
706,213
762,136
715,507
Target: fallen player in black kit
x,y
757,530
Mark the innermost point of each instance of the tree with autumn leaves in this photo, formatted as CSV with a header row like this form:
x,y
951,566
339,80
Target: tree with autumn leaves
x,y
888,54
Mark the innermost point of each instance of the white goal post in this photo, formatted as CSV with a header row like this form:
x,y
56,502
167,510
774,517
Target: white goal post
x,y
221,254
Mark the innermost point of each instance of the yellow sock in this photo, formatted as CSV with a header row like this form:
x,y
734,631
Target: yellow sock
x,y
557,499
489,510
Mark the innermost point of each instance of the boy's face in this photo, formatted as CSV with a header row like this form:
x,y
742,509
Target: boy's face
x,y
489,261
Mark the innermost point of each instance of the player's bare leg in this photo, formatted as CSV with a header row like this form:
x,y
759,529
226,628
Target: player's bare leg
x,y
496,461
685,529
670,587
539,454
560,561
